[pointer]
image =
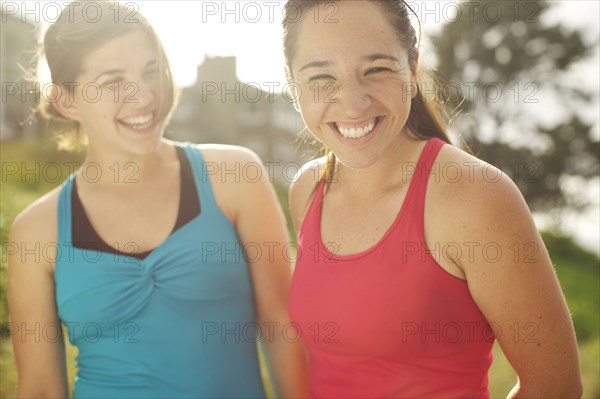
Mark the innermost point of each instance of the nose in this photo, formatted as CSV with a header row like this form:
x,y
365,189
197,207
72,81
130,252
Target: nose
x,y
352,97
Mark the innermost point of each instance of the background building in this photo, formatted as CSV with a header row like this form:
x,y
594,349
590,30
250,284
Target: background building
x,y
219,108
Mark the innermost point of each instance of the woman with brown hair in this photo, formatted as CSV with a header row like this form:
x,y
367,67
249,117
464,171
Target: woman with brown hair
x,y
411,251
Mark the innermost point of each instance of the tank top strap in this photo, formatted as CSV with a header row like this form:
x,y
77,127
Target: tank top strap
x,y
65,222
318,197
424,170
425,167
201,178
312,219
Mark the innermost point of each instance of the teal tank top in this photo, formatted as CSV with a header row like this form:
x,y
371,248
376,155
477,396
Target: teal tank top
x,y
181,323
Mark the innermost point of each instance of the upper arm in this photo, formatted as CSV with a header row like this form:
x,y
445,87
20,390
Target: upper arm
x,y
256,213
262,230
512,280
34,325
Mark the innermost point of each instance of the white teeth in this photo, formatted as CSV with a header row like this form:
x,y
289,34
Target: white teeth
x,y
356,133
139,122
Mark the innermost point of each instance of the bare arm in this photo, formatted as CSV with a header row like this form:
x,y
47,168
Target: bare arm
x,y
512,280
259,221
37,334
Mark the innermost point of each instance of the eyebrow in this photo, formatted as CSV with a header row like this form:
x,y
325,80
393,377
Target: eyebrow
x,y
370,58
315,64
115,71
380,56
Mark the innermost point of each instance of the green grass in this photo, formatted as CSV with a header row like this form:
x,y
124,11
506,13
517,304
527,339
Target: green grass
x,y
503,377
577,270
578,273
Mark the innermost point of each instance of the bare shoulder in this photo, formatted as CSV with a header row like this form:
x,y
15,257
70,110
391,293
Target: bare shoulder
x,y
37,225
302,188
232,167
39,219
237,176
471,194
472,181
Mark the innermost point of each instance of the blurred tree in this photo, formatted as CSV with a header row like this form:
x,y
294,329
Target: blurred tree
x,y
17,49
520,111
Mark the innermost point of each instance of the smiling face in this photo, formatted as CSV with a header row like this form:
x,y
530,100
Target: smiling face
x,y
117,98
356,82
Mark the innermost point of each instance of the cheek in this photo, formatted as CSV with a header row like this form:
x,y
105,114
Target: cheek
x,y
100,112
312,112
396,91
111,102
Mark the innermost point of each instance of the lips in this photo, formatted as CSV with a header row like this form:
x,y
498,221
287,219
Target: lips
x,y
356,130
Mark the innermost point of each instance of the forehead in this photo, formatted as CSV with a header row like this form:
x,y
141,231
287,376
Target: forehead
x,y
127,51
346,29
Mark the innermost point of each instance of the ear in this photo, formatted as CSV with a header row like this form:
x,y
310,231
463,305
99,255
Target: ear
x,y
62,99
294,89
414,66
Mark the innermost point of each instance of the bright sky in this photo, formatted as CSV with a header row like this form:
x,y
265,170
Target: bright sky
x,y
251,30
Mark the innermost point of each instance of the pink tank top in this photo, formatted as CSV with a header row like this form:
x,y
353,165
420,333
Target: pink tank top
x,y
388,322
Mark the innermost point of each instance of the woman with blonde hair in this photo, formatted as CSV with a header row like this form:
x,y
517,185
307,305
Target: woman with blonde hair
x,y
145,263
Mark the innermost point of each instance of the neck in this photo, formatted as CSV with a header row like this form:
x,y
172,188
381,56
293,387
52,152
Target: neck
x,y
121,168
393,169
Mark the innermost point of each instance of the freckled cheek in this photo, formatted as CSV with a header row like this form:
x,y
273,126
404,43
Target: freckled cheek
x,y
313,113
108,118
109,105
99,114
396,100
393,86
